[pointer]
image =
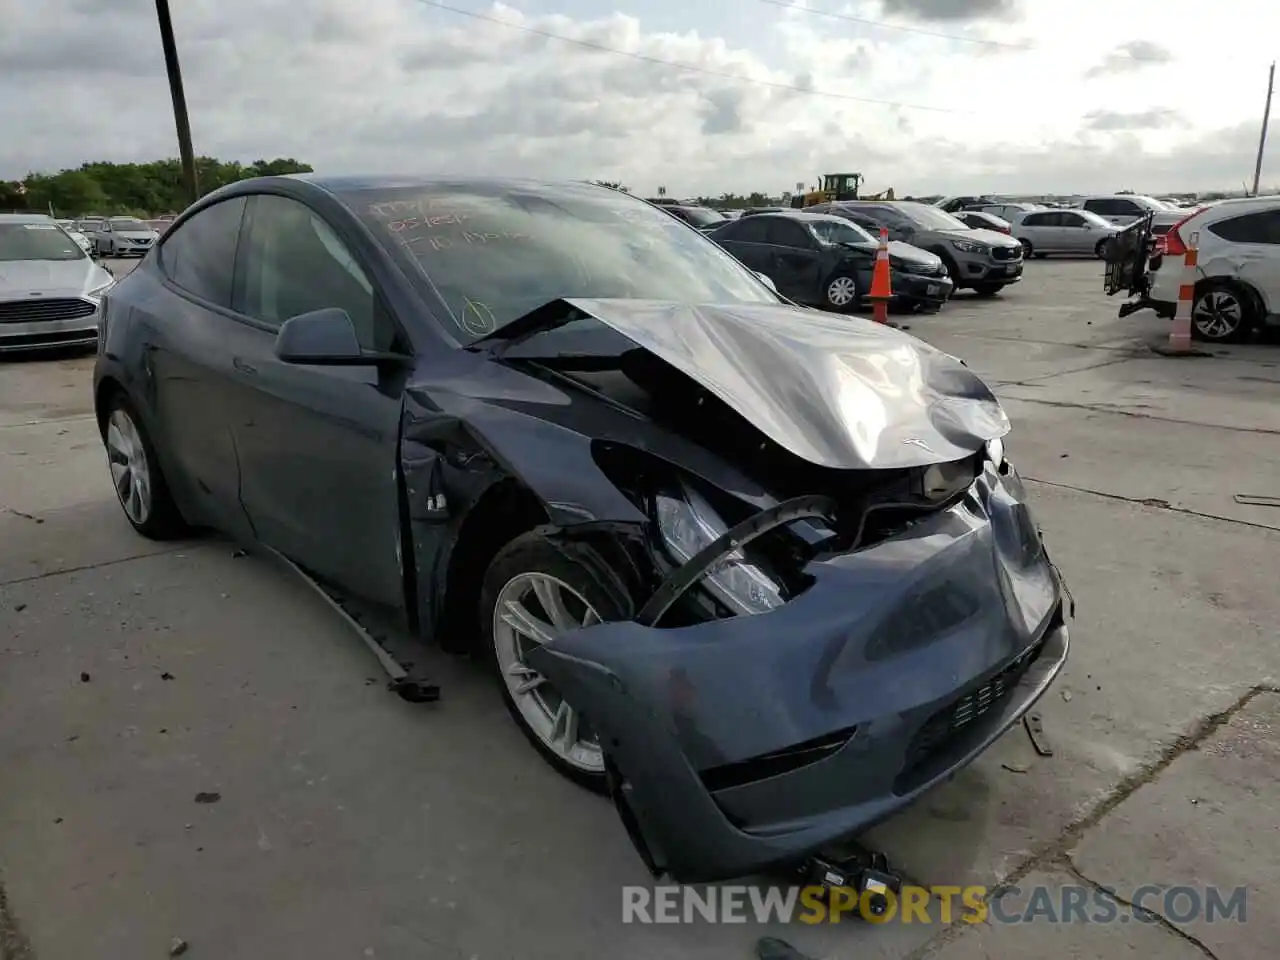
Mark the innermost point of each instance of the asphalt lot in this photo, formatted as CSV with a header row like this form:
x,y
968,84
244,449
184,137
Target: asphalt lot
x,y
351,824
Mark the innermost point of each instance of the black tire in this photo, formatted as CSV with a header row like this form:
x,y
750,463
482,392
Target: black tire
x,y
162,520
1100,249
844,281
987,289
1223,312
585,572
1028,249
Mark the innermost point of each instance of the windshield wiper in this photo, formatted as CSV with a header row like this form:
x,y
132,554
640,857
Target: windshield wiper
x,y
555,313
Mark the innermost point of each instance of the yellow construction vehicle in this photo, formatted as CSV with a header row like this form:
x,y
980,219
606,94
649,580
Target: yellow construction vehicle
x,y
836,186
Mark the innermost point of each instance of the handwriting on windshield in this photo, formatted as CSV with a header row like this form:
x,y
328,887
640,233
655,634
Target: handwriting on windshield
x,y
468,238
476,318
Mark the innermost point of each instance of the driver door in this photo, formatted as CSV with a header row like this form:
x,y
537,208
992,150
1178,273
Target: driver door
x,y
318,446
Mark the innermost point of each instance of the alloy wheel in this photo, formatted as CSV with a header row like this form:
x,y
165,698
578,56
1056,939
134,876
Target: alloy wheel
x,y
530,609
842,291
130,472
1218,314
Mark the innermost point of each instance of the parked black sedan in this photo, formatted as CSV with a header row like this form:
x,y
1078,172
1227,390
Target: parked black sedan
x,y
763,573
826,261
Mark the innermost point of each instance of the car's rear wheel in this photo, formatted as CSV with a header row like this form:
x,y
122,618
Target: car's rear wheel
x,y
1222,313
534,589
135,473
841,292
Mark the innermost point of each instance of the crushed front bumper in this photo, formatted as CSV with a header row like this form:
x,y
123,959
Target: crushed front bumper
x,y
743,744
920,288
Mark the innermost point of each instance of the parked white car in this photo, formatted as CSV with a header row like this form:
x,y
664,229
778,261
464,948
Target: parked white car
x,y
1122,208
1237,286
123,237
1075,232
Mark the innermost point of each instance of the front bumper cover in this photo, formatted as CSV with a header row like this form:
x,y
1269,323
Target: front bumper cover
x,y
900,664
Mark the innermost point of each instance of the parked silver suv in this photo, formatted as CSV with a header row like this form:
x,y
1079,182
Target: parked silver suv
x,y
980,260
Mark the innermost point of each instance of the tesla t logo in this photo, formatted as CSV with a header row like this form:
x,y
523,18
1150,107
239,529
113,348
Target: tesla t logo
x,y
917,442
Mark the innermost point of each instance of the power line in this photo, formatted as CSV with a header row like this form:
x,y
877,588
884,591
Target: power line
x,y
921,31
688,67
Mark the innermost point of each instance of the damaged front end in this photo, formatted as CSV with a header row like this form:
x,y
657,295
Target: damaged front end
x,y
838,596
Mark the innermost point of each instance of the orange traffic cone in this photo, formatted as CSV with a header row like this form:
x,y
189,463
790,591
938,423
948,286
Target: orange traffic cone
x,y
1179,344
881,283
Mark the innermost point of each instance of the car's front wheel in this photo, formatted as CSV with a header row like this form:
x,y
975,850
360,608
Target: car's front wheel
x,y
1028,249
841,292
135,473
534,589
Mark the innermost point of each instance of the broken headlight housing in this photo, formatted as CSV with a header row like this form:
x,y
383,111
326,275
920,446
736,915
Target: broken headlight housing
x,y
688,524
995,452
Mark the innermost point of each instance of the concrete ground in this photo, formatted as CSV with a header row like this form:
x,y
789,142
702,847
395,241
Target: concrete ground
x,y
350,824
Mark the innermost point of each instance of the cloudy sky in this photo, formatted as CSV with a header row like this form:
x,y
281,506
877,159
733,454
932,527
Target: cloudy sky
x,y
701,96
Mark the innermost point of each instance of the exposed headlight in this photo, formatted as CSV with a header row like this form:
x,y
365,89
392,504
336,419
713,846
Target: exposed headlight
x,y
969,246
942,481
688,525
995,452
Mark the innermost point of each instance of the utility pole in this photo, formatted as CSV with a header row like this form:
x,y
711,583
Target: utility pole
x,y
1262,140
179,101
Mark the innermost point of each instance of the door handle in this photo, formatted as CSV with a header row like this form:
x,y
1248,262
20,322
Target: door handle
x,y
244,367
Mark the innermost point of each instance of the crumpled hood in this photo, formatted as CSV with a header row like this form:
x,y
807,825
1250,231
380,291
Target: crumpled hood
x,y
837,391
912,254
23,278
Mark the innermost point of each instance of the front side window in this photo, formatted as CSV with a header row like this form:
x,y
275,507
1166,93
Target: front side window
x,y
294,263
36,241
200,255
493,252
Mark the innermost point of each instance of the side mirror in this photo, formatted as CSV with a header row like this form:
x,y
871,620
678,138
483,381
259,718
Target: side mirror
x,y
326,338
767,281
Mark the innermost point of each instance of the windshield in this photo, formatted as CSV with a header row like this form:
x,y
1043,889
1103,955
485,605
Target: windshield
x,y
701,216
494,252
36,241
127,223
930,218
839,231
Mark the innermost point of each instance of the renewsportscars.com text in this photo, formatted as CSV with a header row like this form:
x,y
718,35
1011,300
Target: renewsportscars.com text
x,y
926,905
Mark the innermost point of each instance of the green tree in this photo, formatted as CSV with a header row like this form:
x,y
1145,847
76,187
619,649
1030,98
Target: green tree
x,y
140,189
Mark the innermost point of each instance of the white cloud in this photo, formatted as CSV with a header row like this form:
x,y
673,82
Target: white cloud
x,y
395,85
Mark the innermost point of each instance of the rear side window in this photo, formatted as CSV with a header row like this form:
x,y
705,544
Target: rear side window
x,y
200,255
746,230
1263,227
786,233
1104,207
1039,219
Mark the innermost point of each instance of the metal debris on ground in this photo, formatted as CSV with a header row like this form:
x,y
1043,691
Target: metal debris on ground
x,y
211,796
19,607
1035,731
1257,500
771,948
177,947
1066,696
166,675
1016,767
84,678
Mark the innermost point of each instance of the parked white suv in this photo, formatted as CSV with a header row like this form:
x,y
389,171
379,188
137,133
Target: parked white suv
x,y
1238,268
1122,208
